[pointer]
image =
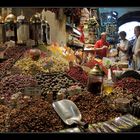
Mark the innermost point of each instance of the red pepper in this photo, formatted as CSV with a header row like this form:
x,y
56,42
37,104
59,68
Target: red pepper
x,y
130,84
78,74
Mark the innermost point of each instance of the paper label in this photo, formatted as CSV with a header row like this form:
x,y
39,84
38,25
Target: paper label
x,y
32,91
10,33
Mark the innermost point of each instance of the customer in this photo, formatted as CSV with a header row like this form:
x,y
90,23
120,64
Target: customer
x,y
130,53
101,46
123,46
136,48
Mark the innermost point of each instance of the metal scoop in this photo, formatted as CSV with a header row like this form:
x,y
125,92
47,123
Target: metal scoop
x,y
69,113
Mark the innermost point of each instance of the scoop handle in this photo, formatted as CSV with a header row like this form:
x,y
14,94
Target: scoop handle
x,y
80,123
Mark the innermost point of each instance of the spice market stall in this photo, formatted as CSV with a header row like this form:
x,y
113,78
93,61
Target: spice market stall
x,y
37,74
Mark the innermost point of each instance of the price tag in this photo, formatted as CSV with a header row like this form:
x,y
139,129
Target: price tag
x,y
10,33
32,91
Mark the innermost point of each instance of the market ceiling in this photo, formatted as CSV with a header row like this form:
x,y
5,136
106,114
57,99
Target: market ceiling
x,y
130,16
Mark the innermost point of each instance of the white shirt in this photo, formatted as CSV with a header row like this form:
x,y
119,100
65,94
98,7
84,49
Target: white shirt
x,y
134,45
137,47
124,45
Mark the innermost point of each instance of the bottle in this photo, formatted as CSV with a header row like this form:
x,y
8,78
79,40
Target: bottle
x,y
108,83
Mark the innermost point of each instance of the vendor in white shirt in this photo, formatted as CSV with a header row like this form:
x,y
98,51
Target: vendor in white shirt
x,y
123,46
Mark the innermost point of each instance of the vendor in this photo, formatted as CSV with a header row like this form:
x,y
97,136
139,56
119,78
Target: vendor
x,y
69,38
123,46
101,46
80,28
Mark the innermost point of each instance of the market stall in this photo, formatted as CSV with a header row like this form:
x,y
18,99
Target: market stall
x,y
43,88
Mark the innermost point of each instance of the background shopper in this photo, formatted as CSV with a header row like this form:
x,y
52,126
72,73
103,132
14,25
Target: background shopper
x,y
136,48
123,46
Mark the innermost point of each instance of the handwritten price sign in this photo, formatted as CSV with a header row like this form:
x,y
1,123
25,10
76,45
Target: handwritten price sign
x,y
32,91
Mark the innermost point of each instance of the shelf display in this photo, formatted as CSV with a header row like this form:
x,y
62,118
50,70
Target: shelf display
x,y
109,24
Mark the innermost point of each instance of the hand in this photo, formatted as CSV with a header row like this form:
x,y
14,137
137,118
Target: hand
x,y
118,48
134,57
104,47
138,52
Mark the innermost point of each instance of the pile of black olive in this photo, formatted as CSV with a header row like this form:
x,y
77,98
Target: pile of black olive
x,y
53,82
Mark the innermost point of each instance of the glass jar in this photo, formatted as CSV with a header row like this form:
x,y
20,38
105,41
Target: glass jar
x,y
45,32
22,29
108,83
107,86
95,80
10,27
35,28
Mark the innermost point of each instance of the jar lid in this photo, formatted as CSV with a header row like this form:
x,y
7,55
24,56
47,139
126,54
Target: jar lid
x,y
22,18
10,18
44,21
96,71
35,18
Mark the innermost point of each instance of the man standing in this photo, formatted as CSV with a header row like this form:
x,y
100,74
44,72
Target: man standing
x,y
101,46
136,48
123,46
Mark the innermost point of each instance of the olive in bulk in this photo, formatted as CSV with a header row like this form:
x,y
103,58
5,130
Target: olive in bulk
x,y
57,81
63,86
47,80
21,82
54,88
52,84
93,108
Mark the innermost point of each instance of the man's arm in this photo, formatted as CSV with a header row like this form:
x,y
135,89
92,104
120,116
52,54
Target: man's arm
x,y
97,46
137,52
